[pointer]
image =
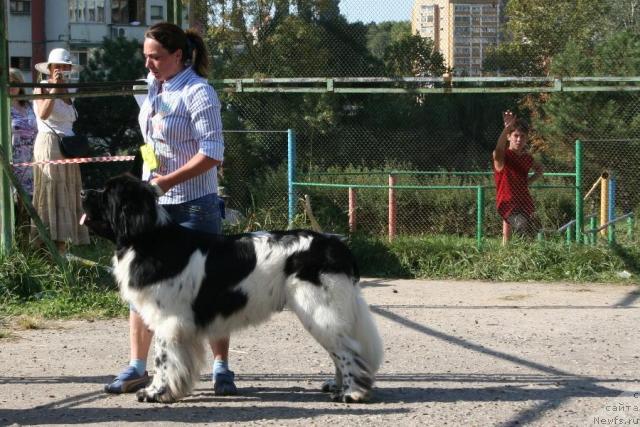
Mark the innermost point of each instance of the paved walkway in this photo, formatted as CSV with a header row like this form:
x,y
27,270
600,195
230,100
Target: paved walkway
x,y
467,353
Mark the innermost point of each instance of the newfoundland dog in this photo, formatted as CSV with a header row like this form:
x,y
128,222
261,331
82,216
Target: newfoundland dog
x,y
190,286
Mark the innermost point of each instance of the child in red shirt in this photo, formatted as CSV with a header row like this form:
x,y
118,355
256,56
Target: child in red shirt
x,y
511,165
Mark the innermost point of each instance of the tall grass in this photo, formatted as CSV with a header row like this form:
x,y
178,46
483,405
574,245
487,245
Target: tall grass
x,y
31,283
521,260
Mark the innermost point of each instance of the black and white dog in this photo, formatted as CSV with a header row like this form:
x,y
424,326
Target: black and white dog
x,y
190,286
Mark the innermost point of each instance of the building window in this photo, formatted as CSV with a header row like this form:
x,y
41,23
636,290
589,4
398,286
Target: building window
x,y
22,63
128,12
157,12
20,7
79,57
86,10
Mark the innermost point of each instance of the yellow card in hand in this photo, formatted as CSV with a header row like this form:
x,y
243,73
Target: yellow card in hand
x,y
149,157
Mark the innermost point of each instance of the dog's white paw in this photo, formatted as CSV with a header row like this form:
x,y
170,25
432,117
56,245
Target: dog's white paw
x,y
152,394
356,397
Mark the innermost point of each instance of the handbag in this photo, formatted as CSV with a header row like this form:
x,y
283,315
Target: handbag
x,y
74,146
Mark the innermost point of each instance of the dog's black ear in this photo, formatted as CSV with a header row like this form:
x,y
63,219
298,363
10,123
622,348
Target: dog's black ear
x,y
132,206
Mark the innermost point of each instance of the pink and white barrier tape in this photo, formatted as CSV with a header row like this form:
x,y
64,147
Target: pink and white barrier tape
x,y
79,160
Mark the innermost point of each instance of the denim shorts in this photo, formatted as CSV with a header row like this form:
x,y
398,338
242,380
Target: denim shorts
x,y
201,214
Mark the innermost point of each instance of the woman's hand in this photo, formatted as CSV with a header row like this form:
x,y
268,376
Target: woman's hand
x,y
58,76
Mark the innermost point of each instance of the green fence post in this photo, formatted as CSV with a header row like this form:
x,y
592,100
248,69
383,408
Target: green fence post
x,y
593,224
6,198
480,218
5,167
579,204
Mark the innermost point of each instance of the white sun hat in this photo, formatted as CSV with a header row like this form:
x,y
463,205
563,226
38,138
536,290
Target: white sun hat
x,y
56,56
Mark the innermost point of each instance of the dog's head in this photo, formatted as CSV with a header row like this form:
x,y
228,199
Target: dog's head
x,y
125,208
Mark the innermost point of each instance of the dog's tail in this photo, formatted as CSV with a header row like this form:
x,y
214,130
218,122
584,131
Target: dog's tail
x,y
366,334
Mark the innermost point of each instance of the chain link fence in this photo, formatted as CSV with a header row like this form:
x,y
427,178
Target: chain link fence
x,y
434,136
442,143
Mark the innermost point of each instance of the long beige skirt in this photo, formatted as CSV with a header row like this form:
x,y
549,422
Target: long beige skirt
x,y
56,192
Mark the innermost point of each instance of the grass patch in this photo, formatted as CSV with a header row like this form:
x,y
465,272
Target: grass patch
x,y
458,258
32,287
29,322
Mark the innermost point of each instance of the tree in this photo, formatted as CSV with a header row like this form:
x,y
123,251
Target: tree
x,y
116,60
413,55
608,122
381,35
537,30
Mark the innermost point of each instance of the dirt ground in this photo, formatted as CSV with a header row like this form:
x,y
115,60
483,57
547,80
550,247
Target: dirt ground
x,y
467,353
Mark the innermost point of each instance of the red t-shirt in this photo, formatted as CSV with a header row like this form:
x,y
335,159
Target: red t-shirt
x,y
512,187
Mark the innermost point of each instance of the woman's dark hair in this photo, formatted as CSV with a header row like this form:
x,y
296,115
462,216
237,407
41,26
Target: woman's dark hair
x,y
172,38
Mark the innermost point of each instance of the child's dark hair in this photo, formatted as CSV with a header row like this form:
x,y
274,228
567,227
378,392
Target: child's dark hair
x,y
519,125
172,38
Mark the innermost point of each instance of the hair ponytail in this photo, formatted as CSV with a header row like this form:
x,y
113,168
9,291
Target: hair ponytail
x,y
197,53
172,38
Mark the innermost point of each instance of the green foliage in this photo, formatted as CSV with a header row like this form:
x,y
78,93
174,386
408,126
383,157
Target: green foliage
x,y
253,39
413,55
380,36
30,283
537,30
424,212
457,258
603,120
112,121
116,60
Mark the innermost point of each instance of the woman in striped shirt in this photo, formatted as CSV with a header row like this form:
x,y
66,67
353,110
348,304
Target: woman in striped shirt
x,y
180,121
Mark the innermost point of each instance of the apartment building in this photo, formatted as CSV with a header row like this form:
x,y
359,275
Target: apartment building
x,y
37,26
462,30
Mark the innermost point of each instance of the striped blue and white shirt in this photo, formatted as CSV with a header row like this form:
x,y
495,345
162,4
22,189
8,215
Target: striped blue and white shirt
x,y
180,118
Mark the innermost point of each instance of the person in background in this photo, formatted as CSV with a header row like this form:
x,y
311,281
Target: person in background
x,y
511,165
23,134
182,127
56,188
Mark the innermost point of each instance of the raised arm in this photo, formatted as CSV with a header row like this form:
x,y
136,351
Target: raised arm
x,y
45,106
508,118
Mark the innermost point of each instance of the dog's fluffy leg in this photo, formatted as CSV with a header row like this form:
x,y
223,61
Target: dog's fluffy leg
x,y
178,358
340,320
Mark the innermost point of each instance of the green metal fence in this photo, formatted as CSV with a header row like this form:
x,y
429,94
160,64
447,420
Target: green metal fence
x,y
361,110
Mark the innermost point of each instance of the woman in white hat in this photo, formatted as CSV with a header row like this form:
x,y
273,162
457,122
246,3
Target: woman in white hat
x,y
56,192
